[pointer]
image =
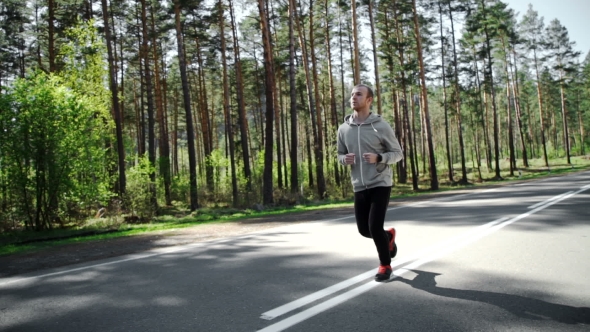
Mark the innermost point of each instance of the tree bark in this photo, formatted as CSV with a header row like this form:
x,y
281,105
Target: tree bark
x,y
375,59
115,96
293,104
267,191
490,77
517,106
226,110
564,114
150,102
51,34
187,108
204,117
404,132
311,105
242,120
319,141
431,155
445,104
458,100
333,111
163,141
355,38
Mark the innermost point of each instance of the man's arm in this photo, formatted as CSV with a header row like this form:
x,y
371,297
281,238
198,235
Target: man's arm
x,y
344,157
393,151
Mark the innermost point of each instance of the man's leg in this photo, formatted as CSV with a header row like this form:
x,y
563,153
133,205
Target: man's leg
x,y
362,208
379,206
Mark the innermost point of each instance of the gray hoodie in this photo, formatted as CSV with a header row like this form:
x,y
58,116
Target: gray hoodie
x,y
375,136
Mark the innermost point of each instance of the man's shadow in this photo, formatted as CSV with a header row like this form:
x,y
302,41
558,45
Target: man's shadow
x,y
520,306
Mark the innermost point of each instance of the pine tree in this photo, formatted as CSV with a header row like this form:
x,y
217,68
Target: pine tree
x,y
531,28
187,107
13,50
563,57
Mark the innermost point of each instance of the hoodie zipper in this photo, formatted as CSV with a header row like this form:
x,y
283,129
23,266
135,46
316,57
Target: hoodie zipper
x,y
360,152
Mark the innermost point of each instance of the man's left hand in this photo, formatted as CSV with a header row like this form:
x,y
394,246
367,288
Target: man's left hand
x,y
370,158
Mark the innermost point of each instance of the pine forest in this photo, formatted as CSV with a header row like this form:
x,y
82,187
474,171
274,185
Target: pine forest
x,y
134,106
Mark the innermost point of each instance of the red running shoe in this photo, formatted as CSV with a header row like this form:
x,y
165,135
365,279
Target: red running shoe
x,y
392,245
383,273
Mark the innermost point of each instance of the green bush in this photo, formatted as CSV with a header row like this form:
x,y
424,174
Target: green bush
x,y
138,196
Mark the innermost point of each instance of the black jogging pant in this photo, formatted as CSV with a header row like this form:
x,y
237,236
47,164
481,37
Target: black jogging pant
x,y
370,206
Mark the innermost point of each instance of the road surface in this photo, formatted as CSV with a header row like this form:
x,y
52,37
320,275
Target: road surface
x,y
512,258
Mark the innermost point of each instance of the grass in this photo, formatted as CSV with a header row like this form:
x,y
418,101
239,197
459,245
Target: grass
x,y
115,227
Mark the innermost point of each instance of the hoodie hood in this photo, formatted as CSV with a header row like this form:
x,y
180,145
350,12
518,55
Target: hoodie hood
x,y
372,118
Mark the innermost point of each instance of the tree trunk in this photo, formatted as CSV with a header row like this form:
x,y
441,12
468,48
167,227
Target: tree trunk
x,y
293,104
163,141
312,107
51,34
344,94
458,100
355,38
375,59
226,97
204,118
267,184
445,105
490,77
115,97
512,156
150,102
517,107
540,100
242,120
175,169
333,111
319,141
405,134
190,133
278,106
431,155
564,114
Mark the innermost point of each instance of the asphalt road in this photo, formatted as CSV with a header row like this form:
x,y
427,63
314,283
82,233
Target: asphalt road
x,y
514,258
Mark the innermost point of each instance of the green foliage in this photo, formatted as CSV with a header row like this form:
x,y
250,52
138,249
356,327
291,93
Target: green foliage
x,y
53,149
52,132
138,198
180,188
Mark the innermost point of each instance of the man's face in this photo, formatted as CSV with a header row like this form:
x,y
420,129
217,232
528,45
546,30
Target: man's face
x,y
359,99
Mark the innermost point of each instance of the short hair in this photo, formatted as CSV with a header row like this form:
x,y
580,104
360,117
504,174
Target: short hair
x,y
369,90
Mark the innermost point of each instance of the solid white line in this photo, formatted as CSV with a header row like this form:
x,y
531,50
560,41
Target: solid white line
x,y
308,313
156,252
317,309
274,313
548,200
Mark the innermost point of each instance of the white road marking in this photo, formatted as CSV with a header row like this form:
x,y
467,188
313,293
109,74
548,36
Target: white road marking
x,y
156,252
274,313
483,231
548,200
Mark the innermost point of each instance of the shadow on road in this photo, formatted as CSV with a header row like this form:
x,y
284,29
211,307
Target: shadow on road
x,y
520,306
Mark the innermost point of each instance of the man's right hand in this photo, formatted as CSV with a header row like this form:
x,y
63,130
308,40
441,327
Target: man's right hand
x,y
349,158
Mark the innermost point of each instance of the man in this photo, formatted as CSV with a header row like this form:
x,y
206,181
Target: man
x,y
368,144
